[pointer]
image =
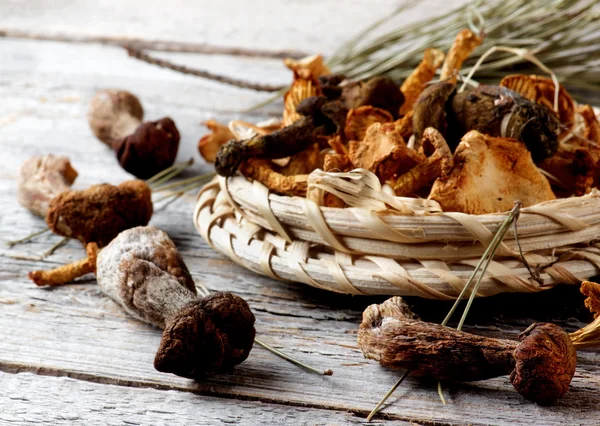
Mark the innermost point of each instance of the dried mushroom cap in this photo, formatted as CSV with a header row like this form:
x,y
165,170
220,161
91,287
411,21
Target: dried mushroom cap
x,y
383,152
498,111
99,213
488,175
140,268
310,67
150,149
545,363
416,82
360,119
209,144
208,335
380,92
114,113
542,90
264,172
592,291
41,178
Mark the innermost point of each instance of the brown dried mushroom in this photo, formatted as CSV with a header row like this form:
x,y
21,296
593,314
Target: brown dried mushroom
x,y
142,271
143,149
41,178
541,365
98,214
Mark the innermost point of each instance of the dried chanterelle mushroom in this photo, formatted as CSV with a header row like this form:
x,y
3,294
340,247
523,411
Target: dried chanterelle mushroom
x,y
99,213
143,149
41,178
142,271
541,365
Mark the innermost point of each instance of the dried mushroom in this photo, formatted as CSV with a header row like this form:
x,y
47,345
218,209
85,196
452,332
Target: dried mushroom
x,y
209,144
42,178
488,175
430,111
573,171
498,111
360,119
98,214
307,72
591,126
426,171
466,41
383,152
416,82
264,172
379,92
142,149
541,365
542,90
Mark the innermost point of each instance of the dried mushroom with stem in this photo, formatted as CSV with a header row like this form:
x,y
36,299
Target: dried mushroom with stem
x,y
142,271
541,365
142,148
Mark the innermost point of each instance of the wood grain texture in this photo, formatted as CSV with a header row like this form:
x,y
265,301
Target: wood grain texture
x,y
33,400
74,337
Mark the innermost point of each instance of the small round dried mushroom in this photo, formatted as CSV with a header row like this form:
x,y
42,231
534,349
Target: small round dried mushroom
x,y
41,178
99,213
545,363
206,336
143,149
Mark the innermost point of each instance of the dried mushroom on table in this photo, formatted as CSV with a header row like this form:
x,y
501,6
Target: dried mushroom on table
x,y
473,150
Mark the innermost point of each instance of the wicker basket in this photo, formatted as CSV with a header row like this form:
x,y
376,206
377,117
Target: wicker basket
x,y
389,245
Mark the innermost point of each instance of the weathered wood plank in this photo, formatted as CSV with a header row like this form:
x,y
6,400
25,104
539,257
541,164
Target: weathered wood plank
x,y
29,399
76,331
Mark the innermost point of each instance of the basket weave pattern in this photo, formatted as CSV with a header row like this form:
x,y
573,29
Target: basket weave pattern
x,y
383,244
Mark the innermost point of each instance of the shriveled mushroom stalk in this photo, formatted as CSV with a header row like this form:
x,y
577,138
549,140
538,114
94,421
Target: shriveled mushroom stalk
x,y
142,148
142,271
540,366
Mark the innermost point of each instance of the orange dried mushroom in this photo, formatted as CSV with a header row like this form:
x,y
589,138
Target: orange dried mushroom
x,y
383,152
360,119
264,172
415,82
591,126
488,175
542,90
209,144
306,84
466,41
438,163
335,163
572,170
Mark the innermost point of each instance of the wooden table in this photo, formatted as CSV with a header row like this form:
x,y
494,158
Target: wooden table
x,y
69,355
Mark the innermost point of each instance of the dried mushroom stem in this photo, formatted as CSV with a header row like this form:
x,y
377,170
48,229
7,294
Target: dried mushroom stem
x,y
67,273
466,41
589,336
541,365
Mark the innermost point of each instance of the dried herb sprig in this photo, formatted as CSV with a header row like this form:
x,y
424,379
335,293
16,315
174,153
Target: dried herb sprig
x,y
562,34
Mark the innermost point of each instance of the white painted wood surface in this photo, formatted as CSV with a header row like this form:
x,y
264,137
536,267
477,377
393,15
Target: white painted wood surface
x,y
70,355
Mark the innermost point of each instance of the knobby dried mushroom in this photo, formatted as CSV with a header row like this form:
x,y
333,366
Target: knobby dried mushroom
x,y
541,365
142,271
379,92
488,175
41,178
142,149
98,214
